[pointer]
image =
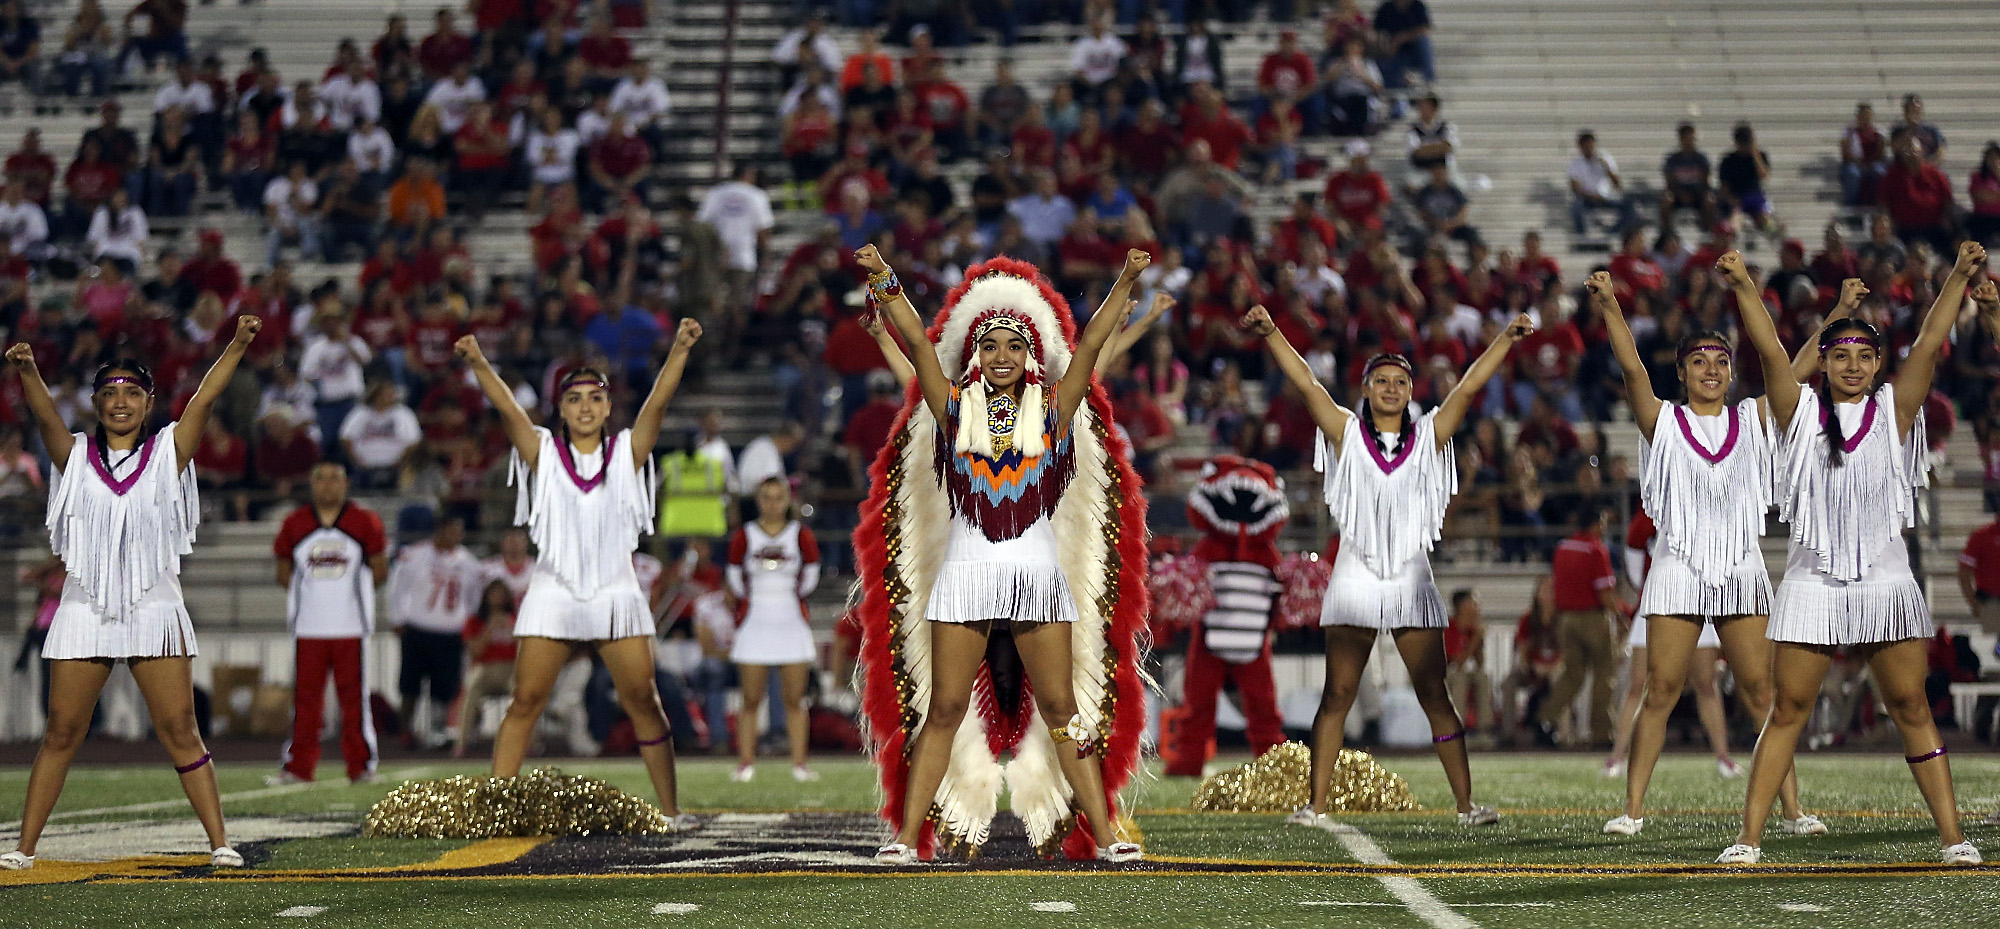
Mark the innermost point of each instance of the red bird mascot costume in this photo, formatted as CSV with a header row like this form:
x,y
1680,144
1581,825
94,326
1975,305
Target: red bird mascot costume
x,y
1100,525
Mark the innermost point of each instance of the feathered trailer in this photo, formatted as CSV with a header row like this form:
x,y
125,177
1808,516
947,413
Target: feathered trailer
x,y
1100,527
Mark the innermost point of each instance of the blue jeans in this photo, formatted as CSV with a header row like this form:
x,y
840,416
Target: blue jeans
x,y
1852,175
330,415
710,682
1415,55
99,69
1580,210
169,195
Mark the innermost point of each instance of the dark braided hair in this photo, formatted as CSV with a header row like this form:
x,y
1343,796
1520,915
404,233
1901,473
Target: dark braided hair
x,y
1830,421
1368,419
138,371
1692,339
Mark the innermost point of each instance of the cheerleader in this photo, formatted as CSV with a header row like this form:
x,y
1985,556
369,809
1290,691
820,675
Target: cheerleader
x,y
1705,479
1701,679
1848,471
585,496
1005,452
1389,478
773,567
122,512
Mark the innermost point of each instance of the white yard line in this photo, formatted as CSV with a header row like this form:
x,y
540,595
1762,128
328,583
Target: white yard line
x,y
675,909
14,828
1412,894
1455,905
302,911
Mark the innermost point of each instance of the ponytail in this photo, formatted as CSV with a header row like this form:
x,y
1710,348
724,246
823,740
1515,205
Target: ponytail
x,y
1374,434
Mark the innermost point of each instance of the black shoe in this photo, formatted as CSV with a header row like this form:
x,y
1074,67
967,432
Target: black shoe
x,y
1545,735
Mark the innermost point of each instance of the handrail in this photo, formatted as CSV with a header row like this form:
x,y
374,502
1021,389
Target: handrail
x,y
725,75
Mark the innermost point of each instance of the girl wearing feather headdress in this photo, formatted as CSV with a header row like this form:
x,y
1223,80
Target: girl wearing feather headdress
x,y
1004,539
1389,478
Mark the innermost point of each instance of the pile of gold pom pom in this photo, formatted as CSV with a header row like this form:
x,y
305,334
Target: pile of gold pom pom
x,y
541,802
1280,781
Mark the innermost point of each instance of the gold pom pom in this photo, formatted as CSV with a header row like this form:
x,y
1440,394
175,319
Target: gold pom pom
x,y
1280,781
544,801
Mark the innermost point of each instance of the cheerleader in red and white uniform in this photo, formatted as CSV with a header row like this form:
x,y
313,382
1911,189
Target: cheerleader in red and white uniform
x,y
773,567
1706,483
122,512
1848,475
586,495
1389,478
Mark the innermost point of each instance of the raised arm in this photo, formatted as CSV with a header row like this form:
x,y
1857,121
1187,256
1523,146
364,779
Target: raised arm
x,y
892,351
1451,412
1913,383
1805,362
1105,323
1326,414
56,436
187,432
1781,394
887,295
646,425
520,429
1125,338
1987,297
1638,383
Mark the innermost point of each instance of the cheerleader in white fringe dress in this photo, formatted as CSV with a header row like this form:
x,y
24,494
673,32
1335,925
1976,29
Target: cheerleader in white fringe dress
x,y
1389,479
1705,479
1848,472
122,512
773,567
585,495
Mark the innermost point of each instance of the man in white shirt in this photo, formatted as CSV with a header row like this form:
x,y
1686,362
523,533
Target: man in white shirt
x,y
433,587
1094,58
23,224
643,99
290,213
764,458
333,364
186,91
1594,185
455,95
351,96
376,435
807,44
373,151
740,213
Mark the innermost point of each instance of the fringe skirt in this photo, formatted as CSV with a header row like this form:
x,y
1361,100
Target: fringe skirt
x,y
1016,579
551,610
158,626
1356,596
1886,604
1673,589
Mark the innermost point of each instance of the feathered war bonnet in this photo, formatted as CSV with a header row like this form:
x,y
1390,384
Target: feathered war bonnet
x,y
1006,296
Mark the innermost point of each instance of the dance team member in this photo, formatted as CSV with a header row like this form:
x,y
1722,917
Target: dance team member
x,y
1705,481
1848,473
122,511
1389,477
585,496
1003,538
773,568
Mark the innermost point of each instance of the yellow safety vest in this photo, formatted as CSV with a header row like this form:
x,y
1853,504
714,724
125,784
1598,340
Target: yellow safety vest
x,y
694,497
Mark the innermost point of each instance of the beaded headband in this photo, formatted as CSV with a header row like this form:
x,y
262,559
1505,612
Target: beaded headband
x,y
1851,340
1703,347
119,379
1006,321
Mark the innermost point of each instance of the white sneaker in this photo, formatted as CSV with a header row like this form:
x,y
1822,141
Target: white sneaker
x,y
1121,852
1625,825
1726,767
1740,854
15,861
284,778
744,774
1479,816
1614,767
803,774
1304,816
225,857
1806,824
896,854
1962,853
683,822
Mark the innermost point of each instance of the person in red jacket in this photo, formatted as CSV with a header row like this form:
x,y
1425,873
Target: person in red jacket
x,y
1917,196
1586,602
1357,196
331,555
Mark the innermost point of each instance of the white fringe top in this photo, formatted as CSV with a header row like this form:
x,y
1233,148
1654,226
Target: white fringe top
x,y
585,513
1842,513
116,536
1708,492
1388,509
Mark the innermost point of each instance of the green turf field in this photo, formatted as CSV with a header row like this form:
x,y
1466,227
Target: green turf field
x,y
773,855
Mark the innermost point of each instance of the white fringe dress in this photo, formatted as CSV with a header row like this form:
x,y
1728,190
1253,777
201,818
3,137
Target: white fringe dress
x,y
585,514
1000,560
1847,574
1706,482
120,533
1389,510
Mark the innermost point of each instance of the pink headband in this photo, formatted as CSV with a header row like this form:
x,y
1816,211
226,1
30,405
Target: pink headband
x,y
122,379
1852,339
585,382
1397,360
1703,347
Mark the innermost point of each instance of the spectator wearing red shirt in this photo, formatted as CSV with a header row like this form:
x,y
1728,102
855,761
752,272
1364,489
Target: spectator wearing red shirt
x,y
427,351
1586,599
285,454
1305,222
1286,74
618,164
221,462
869,56
1545,362
1835,261
1033,142
1211,121
210,271
1864,155
608,54
949,109
868,430
1634,272
484,154
1357,195
32,168
445,48
1979,573
1917,196
489,640
1146,148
